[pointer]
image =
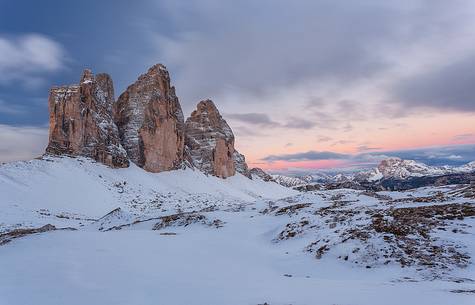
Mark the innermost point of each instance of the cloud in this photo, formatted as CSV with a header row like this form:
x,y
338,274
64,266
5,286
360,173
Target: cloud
x,y
365,148
436,156
259,119
263,120
267,49
324,139
449,87
439,155
347,128
28,57
342,142
22,142
307,156
248,132
10,109
464,136
335,44
299,123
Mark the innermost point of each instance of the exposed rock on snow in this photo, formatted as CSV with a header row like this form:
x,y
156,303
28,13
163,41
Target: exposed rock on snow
x,y
240,164
210,141
150,121
186,219
258,172
17,233
81,121
290,181
387,231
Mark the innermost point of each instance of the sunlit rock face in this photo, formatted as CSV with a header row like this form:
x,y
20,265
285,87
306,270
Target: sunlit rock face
x,y
81,121
145,126
150,121
210,141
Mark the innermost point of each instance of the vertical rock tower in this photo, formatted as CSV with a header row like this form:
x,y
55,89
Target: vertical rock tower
x,y
210,141
150,121
145,126
81,121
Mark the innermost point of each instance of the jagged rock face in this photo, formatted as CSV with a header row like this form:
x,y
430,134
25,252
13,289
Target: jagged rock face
x,y
150,121
256,171
240,164
81,121
210,141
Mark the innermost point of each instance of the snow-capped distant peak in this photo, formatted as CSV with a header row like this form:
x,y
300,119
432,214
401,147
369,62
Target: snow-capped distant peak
x,y
401,169
397,168
291,181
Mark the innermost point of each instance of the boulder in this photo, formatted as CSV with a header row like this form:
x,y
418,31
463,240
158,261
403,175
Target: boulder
x,y
258,172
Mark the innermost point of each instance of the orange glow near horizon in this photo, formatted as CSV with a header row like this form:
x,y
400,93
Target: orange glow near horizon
x,y
282,165
443,129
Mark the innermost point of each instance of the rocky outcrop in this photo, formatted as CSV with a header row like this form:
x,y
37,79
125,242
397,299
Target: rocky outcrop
x,y
210,141
258,172
240,164
81,121
145,126
150,121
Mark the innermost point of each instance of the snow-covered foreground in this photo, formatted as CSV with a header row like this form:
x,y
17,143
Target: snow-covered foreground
x,y
61,190
184,238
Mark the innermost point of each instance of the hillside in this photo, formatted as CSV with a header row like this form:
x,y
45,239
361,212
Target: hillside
x,y
125,235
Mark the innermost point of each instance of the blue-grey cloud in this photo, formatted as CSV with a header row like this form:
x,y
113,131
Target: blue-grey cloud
x,y
442,155
11,109
260,119
264,120
299,123
237,50
307,156
366,148
324,139
25,59
450,87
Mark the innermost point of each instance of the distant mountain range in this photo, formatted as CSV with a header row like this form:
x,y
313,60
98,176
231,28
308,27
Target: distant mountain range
x,y
387,175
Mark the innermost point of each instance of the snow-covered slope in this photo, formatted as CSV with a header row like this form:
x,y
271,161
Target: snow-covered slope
x,y
86,189
126,236
466,168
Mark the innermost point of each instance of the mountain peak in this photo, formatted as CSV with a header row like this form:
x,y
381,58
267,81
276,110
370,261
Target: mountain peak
x,y
145,125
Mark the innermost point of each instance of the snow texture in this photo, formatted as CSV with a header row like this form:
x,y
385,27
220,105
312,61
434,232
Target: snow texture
x,y
181,237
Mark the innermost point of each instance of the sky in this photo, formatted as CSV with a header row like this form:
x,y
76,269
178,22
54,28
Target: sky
x,y
304,84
